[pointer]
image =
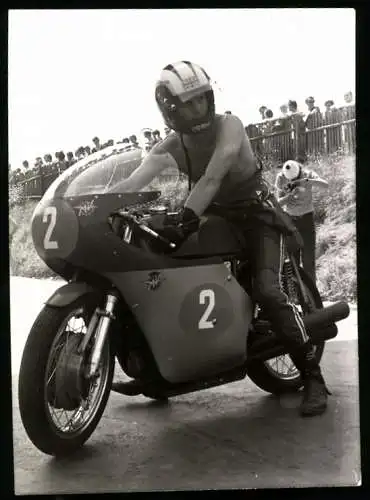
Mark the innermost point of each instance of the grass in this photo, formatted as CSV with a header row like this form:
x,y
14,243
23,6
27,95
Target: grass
x,y
335,216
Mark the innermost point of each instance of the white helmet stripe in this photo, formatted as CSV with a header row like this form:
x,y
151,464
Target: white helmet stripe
x,y
185,80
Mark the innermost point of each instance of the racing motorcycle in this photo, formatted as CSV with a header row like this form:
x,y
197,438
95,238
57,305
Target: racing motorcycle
x,y
179,322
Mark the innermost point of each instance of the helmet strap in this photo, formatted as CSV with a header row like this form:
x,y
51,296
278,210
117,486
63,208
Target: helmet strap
x,y
187,161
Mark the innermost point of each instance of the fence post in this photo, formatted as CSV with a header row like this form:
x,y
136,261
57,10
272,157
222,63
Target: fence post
x,y
42,184
296,139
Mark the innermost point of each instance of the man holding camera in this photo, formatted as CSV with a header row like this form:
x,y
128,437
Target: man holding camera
x,y
294,193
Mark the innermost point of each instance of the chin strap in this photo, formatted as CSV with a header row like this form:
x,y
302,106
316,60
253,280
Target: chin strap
x,y
188,163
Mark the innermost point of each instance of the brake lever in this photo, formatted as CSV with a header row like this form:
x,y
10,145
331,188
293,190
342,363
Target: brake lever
x,y
147,229
138,220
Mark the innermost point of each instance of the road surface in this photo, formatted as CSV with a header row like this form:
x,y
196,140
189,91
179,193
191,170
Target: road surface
x,y
233,436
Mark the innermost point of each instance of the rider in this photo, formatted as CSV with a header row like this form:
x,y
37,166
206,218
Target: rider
x,y
215,152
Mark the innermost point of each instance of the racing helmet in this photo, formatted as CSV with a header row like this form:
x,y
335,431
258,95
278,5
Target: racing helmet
x,y
178,83
291,169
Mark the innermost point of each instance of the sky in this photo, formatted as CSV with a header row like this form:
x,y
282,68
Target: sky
x,y
77,74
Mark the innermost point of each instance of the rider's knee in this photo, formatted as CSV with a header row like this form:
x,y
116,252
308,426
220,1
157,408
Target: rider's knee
x,y
266,289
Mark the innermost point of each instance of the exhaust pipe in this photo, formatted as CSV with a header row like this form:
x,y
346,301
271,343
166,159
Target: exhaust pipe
x,y
326,316
320,326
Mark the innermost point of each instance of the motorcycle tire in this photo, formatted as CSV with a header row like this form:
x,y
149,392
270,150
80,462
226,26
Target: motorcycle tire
x,y
261,373
33,390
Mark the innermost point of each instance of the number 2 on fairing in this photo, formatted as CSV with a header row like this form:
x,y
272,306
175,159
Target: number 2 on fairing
x,y
205,322
50,244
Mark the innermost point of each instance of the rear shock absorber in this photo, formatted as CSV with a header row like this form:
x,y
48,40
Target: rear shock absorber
x,y
289,286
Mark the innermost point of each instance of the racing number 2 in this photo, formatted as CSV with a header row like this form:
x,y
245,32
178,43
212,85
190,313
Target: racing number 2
x,y
50,244
205,322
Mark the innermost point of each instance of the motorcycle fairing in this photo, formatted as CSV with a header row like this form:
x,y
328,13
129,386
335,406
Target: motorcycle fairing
x,y
198,313
84,239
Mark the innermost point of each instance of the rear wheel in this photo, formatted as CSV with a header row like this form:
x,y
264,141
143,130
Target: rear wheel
x,y
59,406
280,375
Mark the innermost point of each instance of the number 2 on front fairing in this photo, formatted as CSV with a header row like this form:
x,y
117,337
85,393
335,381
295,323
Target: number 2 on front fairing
x,y
55,229
52,212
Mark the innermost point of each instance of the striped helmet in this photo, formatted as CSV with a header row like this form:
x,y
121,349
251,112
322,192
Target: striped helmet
x,y
178,83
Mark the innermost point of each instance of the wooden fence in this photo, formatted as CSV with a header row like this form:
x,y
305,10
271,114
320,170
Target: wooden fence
x,y
299,143
295,141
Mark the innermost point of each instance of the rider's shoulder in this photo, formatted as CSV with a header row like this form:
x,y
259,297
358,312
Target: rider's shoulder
x,y
164,149
166,145
232,122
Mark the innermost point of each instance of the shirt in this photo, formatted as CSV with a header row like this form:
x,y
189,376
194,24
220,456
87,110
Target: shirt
x,y
301,203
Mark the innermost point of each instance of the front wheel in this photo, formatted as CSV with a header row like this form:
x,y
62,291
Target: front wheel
x,y
59,407
279,375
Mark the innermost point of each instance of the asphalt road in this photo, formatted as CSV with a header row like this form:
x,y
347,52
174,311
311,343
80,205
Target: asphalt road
x,y
233,436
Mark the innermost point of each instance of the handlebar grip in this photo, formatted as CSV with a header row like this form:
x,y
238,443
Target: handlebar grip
x,y
156,235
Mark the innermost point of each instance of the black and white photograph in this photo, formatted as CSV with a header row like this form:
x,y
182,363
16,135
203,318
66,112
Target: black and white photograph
x,y
182,249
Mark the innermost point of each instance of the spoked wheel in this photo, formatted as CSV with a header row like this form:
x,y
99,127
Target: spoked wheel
x,y
59,406
279,375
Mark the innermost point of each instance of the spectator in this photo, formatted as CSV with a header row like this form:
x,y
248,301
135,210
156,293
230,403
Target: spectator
x,y
167,131
134,142
314,119
284,110
70,159
297,125
348,112
228,113
253,132
19,175
281,142
261,111
87,150
110,142
97,144
26,165
156,136
38,166
148,140
80,153
48,160
268,114
292,107
267,128
294,192
348,98
268,122
333,134
62,163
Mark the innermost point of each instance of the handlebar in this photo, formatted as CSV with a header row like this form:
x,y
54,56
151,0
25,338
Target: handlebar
x,y
138,218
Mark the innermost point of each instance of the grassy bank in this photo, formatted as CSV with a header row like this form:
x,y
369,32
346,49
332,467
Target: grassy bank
x,y
335,214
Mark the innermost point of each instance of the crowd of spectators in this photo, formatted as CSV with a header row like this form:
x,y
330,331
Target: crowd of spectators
x,y
49,164
280,143
290,118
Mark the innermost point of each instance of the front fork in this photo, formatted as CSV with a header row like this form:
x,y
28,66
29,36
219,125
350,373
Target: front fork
x,y
99,323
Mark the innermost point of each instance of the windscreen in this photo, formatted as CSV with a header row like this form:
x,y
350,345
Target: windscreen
x,y
100,171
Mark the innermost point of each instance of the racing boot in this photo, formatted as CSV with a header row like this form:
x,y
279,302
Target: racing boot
x,y
132,388
315,392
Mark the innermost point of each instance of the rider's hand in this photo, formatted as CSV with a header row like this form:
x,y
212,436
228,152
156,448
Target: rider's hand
x,y
186,220
178,227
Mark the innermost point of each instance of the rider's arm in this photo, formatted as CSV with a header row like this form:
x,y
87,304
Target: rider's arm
x,y
156,161
231,138
281,195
